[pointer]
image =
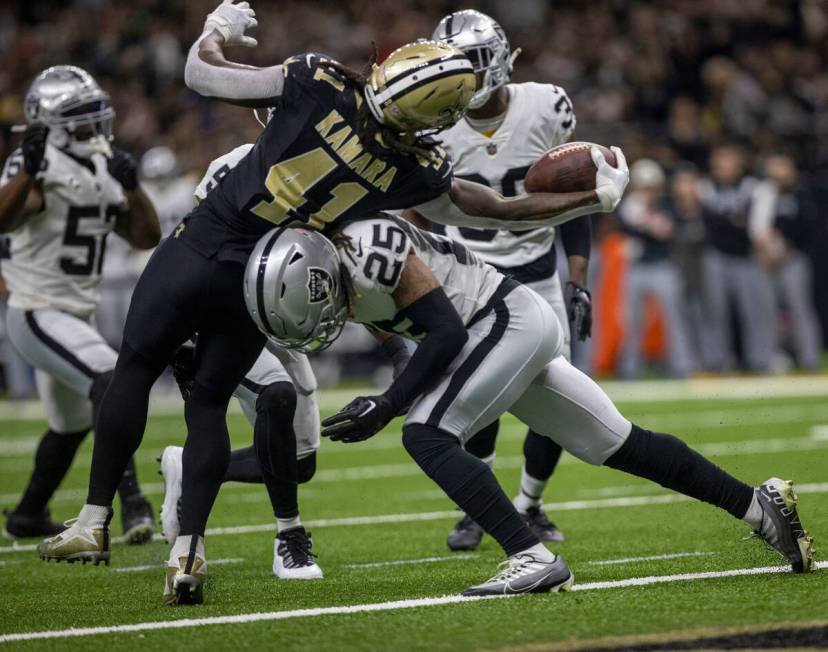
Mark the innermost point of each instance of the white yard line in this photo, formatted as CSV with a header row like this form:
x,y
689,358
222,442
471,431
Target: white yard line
x,y
145,567
819,432
366,608
382,519
630,560
405,562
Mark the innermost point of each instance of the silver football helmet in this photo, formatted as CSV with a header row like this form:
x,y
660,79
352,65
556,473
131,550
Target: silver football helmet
x,y
75,108
483,41
293,289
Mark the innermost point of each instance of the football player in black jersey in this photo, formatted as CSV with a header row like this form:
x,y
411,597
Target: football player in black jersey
x,y
339,146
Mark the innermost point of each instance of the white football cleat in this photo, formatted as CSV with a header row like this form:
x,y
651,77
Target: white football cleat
x,y
525,573
171,466
293,556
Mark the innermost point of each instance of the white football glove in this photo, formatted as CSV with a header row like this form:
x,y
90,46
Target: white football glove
x,y
610,182
232,21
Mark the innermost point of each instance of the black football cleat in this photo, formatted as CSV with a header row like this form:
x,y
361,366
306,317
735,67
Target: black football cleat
x,y
137,520
781,527
25,526
465,535
538,522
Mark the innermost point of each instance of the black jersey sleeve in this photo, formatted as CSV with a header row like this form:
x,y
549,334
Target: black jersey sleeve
x,y
307,78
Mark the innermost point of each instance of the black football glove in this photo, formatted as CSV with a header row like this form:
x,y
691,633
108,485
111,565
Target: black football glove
x,y
361,419
123,168
579,309
34,147
183,368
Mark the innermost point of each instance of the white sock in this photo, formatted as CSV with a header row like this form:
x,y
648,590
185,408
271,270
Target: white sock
x,y
283,524
539,552
93,515
531,492
753,516
181,548
488,460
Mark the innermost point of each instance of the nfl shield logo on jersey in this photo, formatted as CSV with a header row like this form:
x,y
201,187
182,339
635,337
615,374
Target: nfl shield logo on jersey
x,y
319,284
491,149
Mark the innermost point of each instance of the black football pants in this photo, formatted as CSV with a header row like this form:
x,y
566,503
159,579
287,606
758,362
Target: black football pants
x,y
180,293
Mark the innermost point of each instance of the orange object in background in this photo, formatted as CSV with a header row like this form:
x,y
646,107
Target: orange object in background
x,y
608,311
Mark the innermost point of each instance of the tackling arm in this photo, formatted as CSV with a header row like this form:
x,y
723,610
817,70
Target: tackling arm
x,y
209,73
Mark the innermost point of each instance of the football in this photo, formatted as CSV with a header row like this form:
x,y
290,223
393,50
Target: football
x,y
565,168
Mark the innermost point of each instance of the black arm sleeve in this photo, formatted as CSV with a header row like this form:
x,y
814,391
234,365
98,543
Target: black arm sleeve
x,y
576,236
445,336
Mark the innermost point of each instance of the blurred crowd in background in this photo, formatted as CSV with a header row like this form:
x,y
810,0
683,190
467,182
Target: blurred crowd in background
x,y
716,261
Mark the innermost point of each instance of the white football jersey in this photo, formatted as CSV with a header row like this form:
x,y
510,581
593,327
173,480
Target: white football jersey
x,y
218,168
374,253
539,117
57,255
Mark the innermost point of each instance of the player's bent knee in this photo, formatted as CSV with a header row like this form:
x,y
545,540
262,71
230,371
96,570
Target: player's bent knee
x,y
428,445
306,468
279,396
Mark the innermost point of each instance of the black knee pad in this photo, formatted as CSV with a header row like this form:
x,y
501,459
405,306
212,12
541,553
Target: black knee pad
x,y
99,386
306,468
277,396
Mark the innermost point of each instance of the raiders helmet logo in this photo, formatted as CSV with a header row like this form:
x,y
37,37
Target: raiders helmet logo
x,y
319,284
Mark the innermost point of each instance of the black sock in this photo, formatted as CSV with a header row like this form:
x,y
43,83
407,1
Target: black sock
x,y
470,483
541,455
673,464
206,456
120,422
244,466
129,482
275,443
482,443
53,458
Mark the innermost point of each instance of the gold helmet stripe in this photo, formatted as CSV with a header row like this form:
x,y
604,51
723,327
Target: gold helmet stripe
x,y
420,76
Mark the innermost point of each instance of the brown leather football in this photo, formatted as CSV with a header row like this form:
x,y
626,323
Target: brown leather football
x,y
565,168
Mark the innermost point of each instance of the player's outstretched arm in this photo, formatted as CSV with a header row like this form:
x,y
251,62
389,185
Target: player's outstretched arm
x,y
138,223
473,204
209,73
20,196
421,299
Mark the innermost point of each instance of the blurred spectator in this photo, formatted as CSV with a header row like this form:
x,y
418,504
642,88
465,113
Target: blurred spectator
x,y
688,251
650,225
735,285
782,219
666,81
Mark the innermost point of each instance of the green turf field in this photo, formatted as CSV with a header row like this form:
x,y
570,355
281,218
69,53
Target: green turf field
x,y
379,530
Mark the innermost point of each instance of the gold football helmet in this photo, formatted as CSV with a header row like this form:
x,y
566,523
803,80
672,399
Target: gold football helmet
x,y
420,87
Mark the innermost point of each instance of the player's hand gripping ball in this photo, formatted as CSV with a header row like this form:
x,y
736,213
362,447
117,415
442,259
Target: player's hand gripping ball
x,y
579,167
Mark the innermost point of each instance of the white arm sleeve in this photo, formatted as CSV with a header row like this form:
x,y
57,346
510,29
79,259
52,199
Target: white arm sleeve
x,y
762,210
297,366
444,211
231,83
